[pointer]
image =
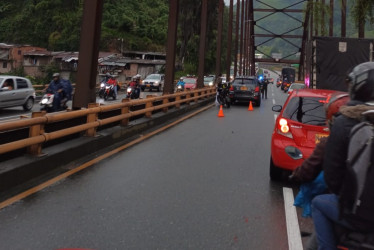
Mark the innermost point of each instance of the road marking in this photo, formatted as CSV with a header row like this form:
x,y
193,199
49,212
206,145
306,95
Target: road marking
x,y
273,101
293,230
96,160
275,117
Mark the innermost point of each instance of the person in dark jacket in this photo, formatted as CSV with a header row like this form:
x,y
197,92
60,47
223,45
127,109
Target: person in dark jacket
x,y
325,208
264,88
56,87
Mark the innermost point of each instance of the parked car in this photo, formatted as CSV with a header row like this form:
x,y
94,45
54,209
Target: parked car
x,y
246,89
190,83
153,81
16,91
298,128
294,86
209,81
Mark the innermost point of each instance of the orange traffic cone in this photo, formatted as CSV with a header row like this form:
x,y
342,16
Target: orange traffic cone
x,y
250,108
220,113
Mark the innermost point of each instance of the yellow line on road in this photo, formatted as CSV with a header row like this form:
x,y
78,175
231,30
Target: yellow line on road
x,y
96,160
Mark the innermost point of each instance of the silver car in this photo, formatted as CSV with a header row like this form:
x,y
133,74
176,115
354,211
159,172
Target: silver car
x,y
153,81
16,91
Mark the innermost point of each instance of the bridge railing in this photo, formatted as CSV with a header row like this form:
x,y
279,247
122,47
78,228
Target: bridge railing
x,y
92,118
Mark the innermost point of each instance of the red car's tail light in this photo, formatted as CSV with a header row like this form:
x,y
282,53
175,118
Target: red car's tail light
x,y
231,88
283,128
284,125
257,89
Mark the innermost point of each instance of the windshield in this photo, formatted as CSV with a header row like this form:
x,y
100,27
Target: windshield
x,y
190,80
307,110
208,79
1,80
153,77
297,86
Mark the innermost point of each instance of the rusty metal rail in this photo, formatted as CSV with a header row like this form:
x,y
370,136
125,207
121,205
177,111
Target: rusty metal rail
x,y
35,124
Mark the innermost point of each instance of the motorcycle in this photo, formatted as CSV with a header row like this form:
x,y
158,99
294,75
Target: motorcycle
x,y
46,103
133,92
223,97
107,90
180,88
349,239
102,90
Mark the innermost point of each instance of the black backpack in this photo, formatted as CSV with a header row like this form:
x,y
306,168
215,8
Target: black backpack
x,y
357,193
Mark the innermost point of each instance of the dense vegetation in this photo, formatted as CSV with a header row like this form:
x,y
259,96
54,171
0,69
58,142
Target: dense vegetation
x,y
142,25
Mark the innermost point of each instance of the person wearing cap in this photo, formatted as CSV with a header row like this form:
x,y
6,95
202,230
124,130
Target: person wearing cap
x,y
57,88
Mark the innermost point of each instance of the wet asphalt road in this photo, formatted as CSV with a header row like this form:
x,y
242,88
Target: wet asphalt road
x,y
203,184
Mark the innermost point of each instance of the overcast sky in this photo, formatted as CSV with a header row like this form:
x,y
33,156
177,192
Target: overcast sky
x,y
227,2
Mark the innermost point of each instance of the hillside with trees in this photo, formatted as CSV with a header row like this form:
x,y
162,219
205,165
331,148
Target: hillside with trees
x,y
142,25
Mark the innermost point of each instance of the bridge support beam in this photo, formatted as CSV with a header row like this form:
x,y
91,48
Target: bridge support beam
x,y
203,28
229,42
85,89
171,46
219,40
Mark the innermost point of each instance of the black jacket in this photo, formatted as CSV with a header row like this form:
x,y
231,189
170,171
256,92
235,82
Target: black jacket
x,y
336,151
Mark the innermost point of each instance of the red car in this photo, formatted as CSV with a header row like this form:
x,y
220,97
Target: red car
x,y
298,128
190,83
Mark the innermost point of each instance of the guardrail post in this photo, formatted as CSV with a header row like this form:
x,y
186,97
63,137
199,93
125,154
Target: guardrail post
x,y
165,101
188,95
125,110
92,118
36,130
177,98
149,104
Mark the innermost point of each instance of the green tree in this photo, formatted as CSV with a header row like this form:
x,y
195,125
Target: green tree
x,y
362,12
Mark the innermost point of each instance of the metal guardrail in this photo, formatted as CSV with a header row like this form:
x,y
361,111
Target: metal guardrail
x,y
38,136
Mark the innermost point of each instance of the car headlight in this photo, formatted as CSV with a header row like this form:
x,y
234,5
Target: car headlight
x,y
294,153
156,83
210,83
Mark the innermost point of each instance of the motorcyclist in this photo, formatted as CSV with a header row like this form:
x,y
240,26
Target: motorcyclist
x,y
113,81
223,90
135,85
135,81
181,83
106,78
307,174
56,87
325,208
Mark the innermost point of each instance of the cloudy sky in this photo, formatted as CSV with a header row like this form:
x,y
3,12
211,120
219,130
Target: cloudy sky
x,y
227,2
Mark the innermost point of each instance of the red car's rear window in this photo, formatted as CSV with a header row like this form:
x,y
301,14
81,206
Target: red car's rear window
x,y
307,110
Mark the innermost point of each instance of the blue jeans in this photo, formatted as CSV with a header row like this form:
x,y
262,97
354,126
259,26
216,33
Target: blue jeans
x,y
325,213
